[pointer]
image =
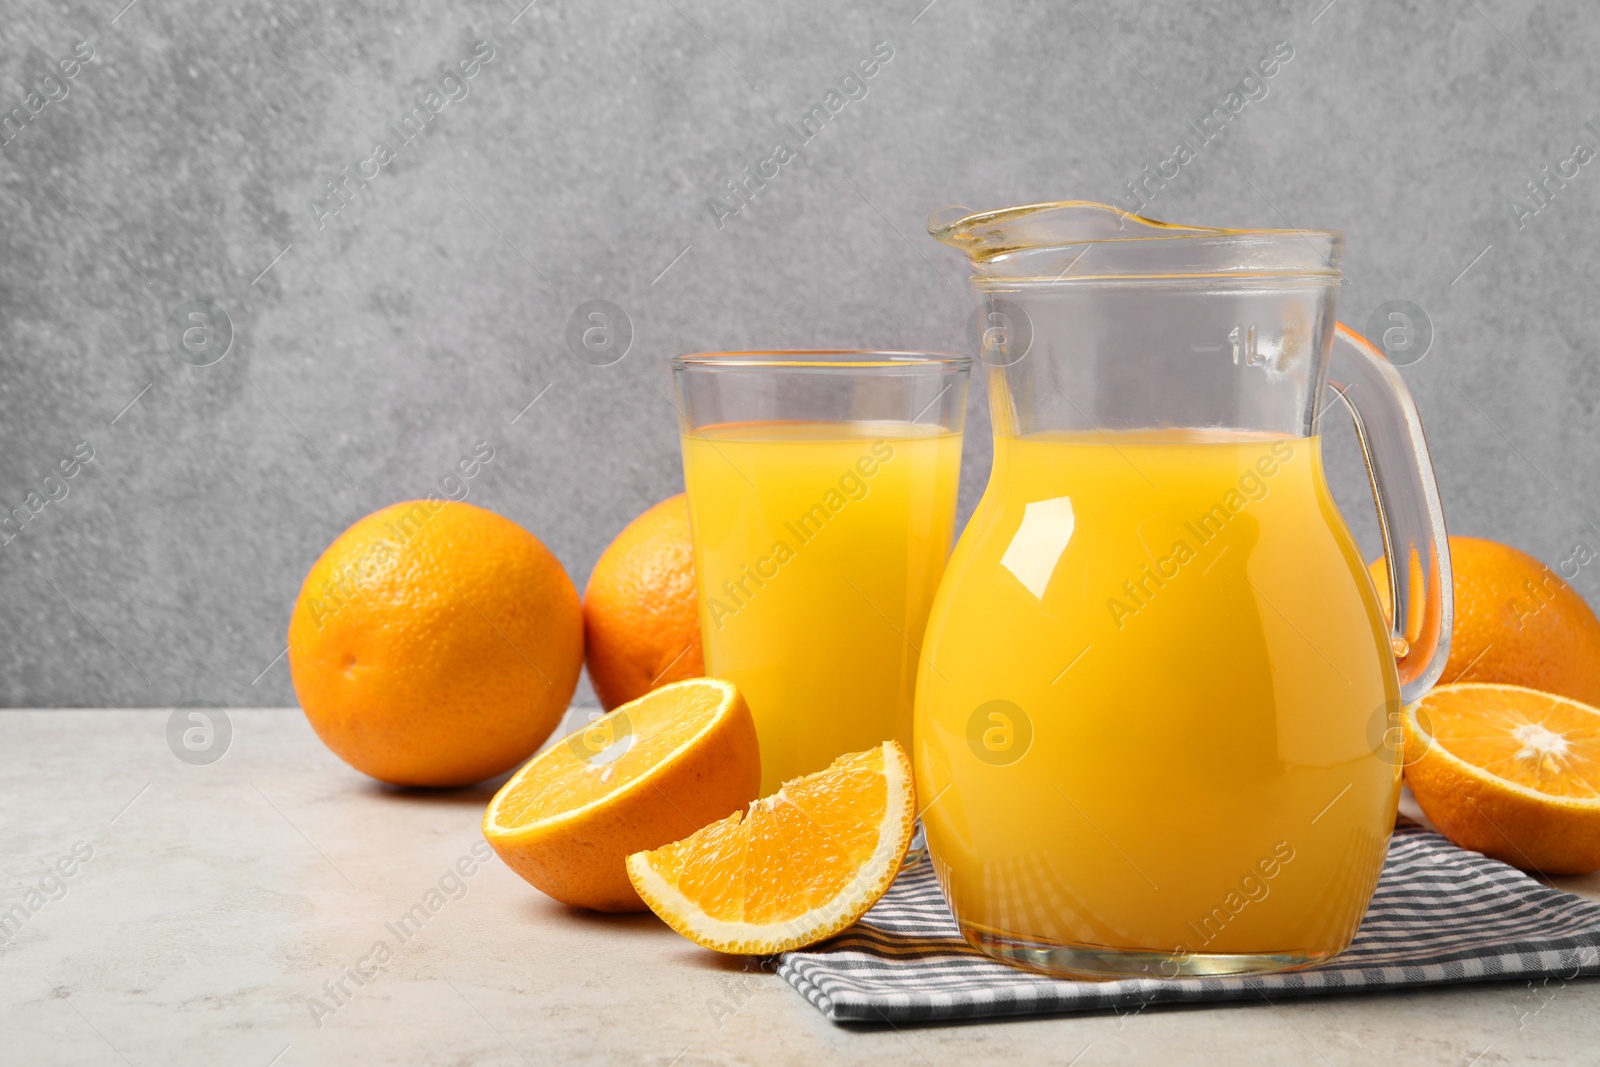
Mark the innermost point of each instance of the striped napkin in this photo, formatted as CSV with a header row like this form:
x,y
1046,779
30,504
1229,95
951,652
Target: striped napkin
x,y
1441,915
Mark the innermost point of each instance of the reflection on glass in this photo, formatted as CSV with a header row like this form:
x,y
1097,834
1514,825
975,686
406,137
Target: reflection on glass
x,y
1038,543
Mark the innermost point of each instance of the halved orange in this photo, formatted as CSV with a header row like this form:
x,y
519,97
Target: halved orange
x,y
1510,772
797,867
649,772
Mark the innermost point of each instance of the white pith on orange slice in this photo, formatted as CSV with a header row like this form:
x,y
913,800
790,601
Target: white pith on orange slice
x,y
797,867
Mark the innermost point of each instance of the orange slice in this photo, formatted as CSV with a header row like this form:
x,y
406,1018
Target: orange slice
x,y
797,867
1510,772
647,773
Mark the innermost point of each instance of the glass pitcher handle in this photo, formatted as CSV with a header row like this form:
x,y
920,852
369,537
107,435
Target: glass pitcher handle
x,y
1409,515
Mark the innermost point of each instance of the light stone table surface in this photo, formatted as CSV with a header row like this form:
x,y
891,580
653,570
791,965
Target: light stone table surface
x,y
216,900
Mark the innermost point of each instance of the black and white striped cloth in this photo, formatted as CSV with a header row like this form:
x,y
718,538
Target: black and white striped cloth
x,y
1441,915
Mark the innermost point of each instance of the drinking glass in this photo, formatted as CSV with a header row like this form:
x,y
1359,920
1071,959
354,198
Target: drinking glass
x,y
822,500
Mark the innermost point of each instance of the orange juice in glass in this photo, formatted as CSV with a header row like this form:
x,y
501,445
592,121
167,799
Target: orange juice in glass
x,y
822,499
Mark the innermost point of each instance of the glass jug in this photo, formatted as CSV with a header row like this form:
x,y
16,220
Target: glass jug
x,y
1154,729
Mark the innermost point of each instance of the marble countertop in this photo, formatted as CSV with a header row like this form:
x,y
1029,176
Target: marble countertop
x,y
157,911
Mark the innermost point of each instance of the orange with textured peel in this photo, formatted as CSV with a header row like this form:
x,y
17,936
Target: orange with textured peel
x,y
435,644
641,619
797,867
1510,772
647,773
1516,622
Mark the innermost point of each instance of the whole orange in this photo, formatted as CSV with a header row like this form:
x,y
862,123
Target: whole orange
x,y
1516,622
641,616
435,644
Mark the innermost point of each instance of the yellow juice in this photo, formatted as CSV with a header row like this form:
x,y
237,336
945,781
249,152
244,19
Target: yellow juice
x,y
817,550
1153,711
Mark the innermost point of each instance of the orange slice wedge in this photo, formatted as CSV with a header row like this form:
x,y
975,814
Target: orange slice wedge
x,y
1510,772
649,772
797,867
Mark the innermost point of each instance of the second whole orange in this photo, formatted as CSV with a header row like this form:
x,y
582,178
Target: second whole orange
x,y
435,643
1517,622
640,610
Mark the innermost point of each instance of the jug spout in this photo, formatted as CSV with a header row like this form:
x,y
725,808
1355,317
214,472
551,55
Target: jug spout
x,y
1078,240
982,234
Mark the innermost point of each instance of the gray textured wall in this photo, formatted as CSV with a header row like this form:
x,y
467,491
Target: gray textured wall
x,y
373,346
